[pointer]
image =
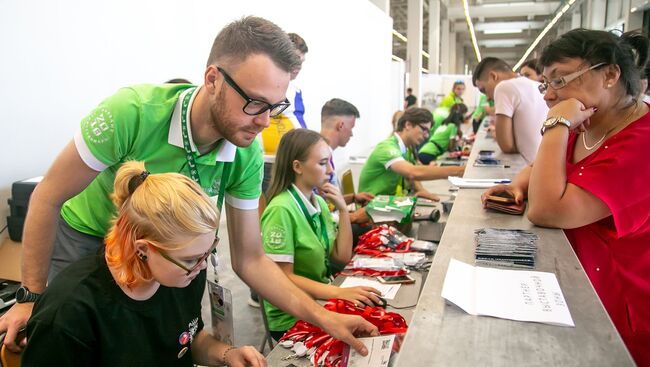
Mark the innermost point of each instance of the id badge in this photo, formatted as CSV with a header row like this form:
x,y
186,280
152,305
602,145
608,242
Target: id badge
x,y
221,309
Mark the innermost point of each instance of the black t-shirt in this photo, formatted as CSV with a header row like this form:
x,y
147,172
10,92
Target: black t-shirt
x,y
85,319
410,100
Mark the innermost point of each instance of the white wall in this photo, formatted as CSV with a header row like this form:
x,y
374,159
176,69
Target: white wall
x,y
61,58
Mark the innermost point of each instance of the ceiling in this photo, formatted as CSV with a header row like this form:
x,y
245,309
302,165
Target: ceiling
x,y
504,29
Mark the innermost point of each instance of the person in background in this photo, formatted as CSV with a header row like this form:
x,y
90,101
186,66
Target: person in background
x,y
590,176
484,108
293,116
445,137
298,230
531,70
455,96
519,107
392,168
410,99
148,281
207,133
338,118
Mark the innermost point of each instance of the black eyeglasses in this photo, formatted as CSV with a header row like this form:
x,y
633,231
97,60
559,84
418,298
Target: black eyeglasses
x,y
255,107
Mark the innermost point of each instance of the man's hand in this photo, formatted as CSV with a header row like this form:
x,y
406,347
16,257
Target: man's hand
x,y
359,216
346,327
14,320
427,195
363,198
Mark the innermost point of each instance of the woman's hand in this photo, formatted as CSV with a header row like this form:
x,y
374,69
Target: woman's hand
x,y
360,295
574,111
514,191
244,356
333,194
363,198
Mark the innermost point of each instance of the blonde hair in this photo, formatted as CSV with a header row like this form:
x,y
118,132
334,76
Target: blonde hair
x,y
156,207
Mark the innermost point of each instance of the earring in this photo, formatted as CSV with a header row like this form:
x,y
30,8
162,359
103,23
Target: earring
x,y
142,257
609,85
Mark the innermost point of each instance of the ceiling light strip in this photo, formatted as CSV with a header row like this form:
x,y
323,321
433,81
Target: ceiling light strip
x,y
399,35
548,27
471,30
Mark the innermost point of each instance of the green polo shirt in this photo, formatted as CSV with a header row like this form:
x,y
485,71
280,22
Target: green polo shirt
x,y
440,136
450,100
288,237
479,112
143,123
376,176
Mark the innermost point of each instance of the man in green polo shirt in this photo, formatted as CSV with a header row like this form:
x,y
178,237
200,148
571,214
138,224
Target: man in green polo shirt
x,y
200,132
392,168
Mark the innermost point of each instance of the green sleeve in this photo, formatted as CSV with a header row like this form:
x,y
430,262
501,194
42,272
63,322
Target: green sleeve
x,y
246,177
277,231
387,152
110,129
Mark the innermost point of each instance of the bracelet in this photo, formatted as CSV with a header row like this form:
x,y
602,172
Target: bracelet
x,y
225,353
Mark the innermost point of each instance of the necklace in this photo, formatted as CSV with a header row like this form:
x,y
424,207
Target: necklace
x,y
584,141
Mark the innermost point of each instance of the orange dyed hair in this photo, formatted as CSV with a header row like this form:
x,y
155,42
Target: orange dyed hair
x,y
158,208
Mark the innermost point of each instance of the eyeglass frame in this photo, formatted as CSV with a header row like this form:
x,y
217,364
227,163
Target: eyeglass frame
x,y
269,107
566,79
178,263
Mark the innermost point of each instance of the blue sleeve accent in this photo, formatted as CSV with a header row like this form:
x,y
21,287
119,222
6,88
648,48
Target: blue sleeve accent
x,y
299,110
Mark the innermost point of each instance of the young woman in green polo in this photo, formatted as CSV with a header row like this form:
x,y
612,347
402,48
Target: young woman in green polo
x,y
443,138
298,230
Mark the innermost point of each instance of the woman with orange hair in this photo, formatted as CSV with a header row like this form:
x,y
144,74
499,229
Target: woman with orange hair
x,y
138,303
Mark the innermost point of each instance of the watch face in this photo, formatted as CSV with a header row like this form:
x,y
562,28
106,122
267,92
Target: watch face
x,y
21,294
550,122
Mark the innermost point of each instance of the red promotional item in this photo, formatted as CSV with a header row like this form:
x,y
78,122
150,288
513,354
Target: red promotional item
x,y
323,350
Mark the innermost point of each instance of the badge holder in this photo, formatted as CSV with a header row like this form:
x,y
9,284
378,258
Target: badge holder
x,y
221,310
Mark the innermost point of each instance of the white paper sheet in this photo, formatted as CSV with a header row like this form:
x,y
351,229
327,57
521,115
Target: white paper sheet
x,y
508,294
379,348
388,291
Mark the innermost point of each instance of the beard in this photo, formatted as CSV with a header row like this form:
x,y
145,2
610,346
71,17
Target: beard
x,y
225,125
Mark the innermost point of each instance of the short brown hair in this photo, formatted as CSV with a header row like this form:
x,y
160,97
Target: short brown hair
x,y
250,36
299,43
414,115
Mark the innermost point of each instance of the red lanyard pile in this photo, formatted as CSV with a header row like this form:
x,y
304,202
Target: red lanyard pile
x,y
323,350
382,239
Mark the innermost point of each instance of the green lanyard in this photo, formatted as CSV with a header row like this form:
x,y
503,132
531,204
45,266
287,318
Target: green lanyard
x,y
312,223
194,171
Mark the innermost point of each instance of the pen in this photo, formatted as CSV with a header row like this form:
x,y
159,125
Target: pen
x,y
478,180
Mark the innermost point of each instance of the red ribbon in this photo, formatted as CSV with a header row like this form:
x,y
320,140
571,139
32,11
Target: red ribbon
x,y
374,242
330,349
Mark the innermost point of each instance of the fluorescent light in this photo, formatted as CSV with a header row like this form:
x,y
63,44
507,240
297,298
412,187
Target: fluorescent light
x,y
425,54
423,70
397,58
471,30
501,31
399,35
495,5
541,35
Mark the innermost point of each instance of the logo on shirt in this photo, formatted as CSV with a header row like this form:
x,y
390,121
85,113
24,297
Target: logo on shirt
x,y
98,127
274,238
394,152
187,337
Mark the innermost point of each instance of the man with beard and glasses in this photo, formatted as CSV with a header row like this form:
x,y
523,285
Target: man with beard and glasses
x,y
206,133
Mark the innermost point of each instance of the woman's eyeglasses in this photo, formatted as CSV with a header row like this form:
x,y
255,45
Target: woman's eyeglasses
x,y
562,82
179,263
255,107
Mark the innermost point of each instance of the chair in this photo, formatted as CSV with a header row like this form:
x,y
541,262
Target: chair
x,y
347,182
268,339
7,357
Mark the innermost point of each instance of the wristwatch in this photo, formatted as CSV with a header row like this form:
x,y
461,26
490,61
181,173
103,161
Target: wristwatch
x,y
23,295
553,121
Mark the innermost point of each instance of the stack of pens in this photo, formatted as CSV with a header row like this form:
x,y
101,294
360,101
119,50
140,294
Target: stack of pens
x,y
506,248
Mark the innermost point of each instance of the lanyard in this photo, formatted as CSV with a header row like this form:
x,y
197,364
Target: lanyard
x,y
323,230
194,171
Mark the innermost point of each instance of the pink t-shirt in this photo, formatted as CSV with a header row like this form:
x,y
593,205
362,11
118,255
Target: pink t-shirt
x,y
519,99
615,251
